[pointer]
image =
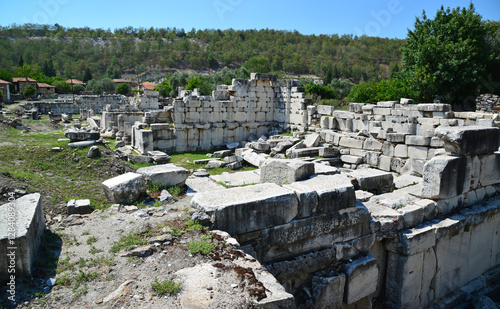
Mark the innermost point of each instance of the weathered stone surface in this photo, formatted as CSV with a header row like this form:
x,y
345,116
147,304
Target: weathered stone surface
x,y
384,163
351,159
490,169
253,158
23,225
305,152
167,175
413,167
282,146
253,207
325,169
80,207
82,135
361,278
444,177
329,152
404,281
371,179
328,292
417,140
395,137
335,192
401,151
223,153
350,142
139,159
312,140
417,152
434,107
325,109
285,171
308,199
125,188
93,152
159,157
469,140
413,241
372,144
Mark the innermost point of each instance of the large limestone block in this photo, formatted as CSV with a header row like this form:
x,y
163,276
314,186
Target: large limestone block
x,y
335,192
415,240
404,279
253,158
168,175
247,209
490,169
371,179
81,135
308,199
469,140
361,278
325,109
445,177
350,142
285,171
312,140
21,231
125,188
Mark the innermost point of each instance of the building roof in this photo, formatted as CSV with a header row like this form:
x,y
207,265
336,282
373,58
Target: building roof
x,y
4,82
22,79
119,81
44,85
74,82
148,86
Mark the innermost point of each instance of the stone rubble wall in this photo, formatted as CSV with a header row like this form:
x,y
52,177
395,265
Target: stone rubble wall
x,y
236,113
97,103
394,137
488,102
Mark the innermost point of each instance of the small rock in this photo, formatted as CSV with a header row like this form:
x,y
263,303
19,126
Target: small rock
x,y
201,173
140,252
51,281
202,218
160,239
119,144
166,197
234,286
99,301
56,149
94,152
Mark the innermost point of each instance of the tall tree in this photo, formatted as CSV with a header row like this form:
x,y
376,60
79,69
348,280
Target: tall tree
x,y
446,55
87,75
20,63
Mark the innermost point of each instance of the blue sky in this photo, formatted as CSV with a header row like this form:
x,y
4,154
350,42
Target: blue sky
x,y
387,18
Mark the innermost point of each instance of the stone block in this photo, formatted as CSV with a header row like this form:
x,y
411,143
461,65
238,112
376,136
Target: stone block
x,y
372,144
388,149
372,158
351,159
308,199
22,228
413,214
325,109
167,175
413,167
417,152
384,163
305,152
417,140
397,164
469,140
361,278
329,152
260,146
328,291
312,140
395,137
285,171
76,135
411,242
490,169
350,142
252,208
335,192
358,107
401,151
434,107
387,104
253,158
404,280
139,159
444,177
81,207
371,179
282,146
125,188
436,142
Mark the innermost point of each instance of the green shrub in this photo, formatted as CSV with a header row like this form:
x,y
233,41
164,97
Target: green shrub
x,y
203,246
165,287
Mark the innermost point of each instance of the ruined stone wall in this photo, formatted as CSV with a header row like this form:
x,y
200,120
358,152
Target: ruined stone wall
x,y
95,102
236,113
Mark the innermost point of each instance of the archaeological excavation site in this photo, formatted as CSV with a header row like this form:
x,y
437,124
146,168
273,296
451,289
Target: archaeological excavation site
x,y
386,205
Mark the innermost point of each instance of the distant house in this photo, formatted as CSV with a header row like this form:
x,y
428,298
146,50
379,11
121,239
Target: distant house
x,y
147,86
74,82
45,89
20,83
4,86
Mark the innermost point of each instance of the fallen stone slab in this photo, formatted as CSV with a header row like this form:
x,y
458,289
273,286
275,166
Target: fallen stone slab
x,y
81,207
371,179
125,188
324,169
21,232
304,152
351,159
167,175
282,146
139,159
159,157
329,152
469,140
312,140
82,135
223,153
252,207
285,171
237,179
253,158
81,144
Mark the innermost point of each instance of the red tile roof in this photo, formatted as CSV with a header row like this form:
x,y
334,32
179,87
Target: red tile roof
x,y
148,86
22,79
44,85
4,82
119,81
74,82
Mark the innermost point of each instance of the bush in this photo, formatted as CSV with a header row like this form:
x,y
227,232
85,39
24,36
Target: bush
x,y
98,86
373,92
123,89
29,91
165,287
203,246
319,92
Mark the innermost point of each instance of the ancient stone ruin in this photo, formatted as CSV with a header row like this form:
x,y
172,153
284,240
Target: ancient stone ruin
x,y
395,204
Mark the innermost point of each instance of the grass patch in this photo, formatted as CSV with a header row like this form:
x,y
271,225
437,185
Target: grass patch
x,y
225,185
203,246
165,287
94,250
91,240
131,240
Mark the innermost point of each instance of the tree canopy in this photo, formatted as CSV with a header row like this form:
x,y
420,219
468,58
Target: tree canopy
x,y
446,56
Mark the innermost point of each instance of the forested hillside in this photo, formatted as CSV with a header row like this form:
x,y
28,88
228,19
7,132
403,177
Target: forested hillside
x,y
70,51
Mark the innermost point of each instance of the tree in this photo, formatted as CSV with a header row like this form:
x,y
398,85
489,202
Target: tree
x,y
164,89
201,83
29,91
98,86
123,89
20,63
87,75
446,55
48,68
259,64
